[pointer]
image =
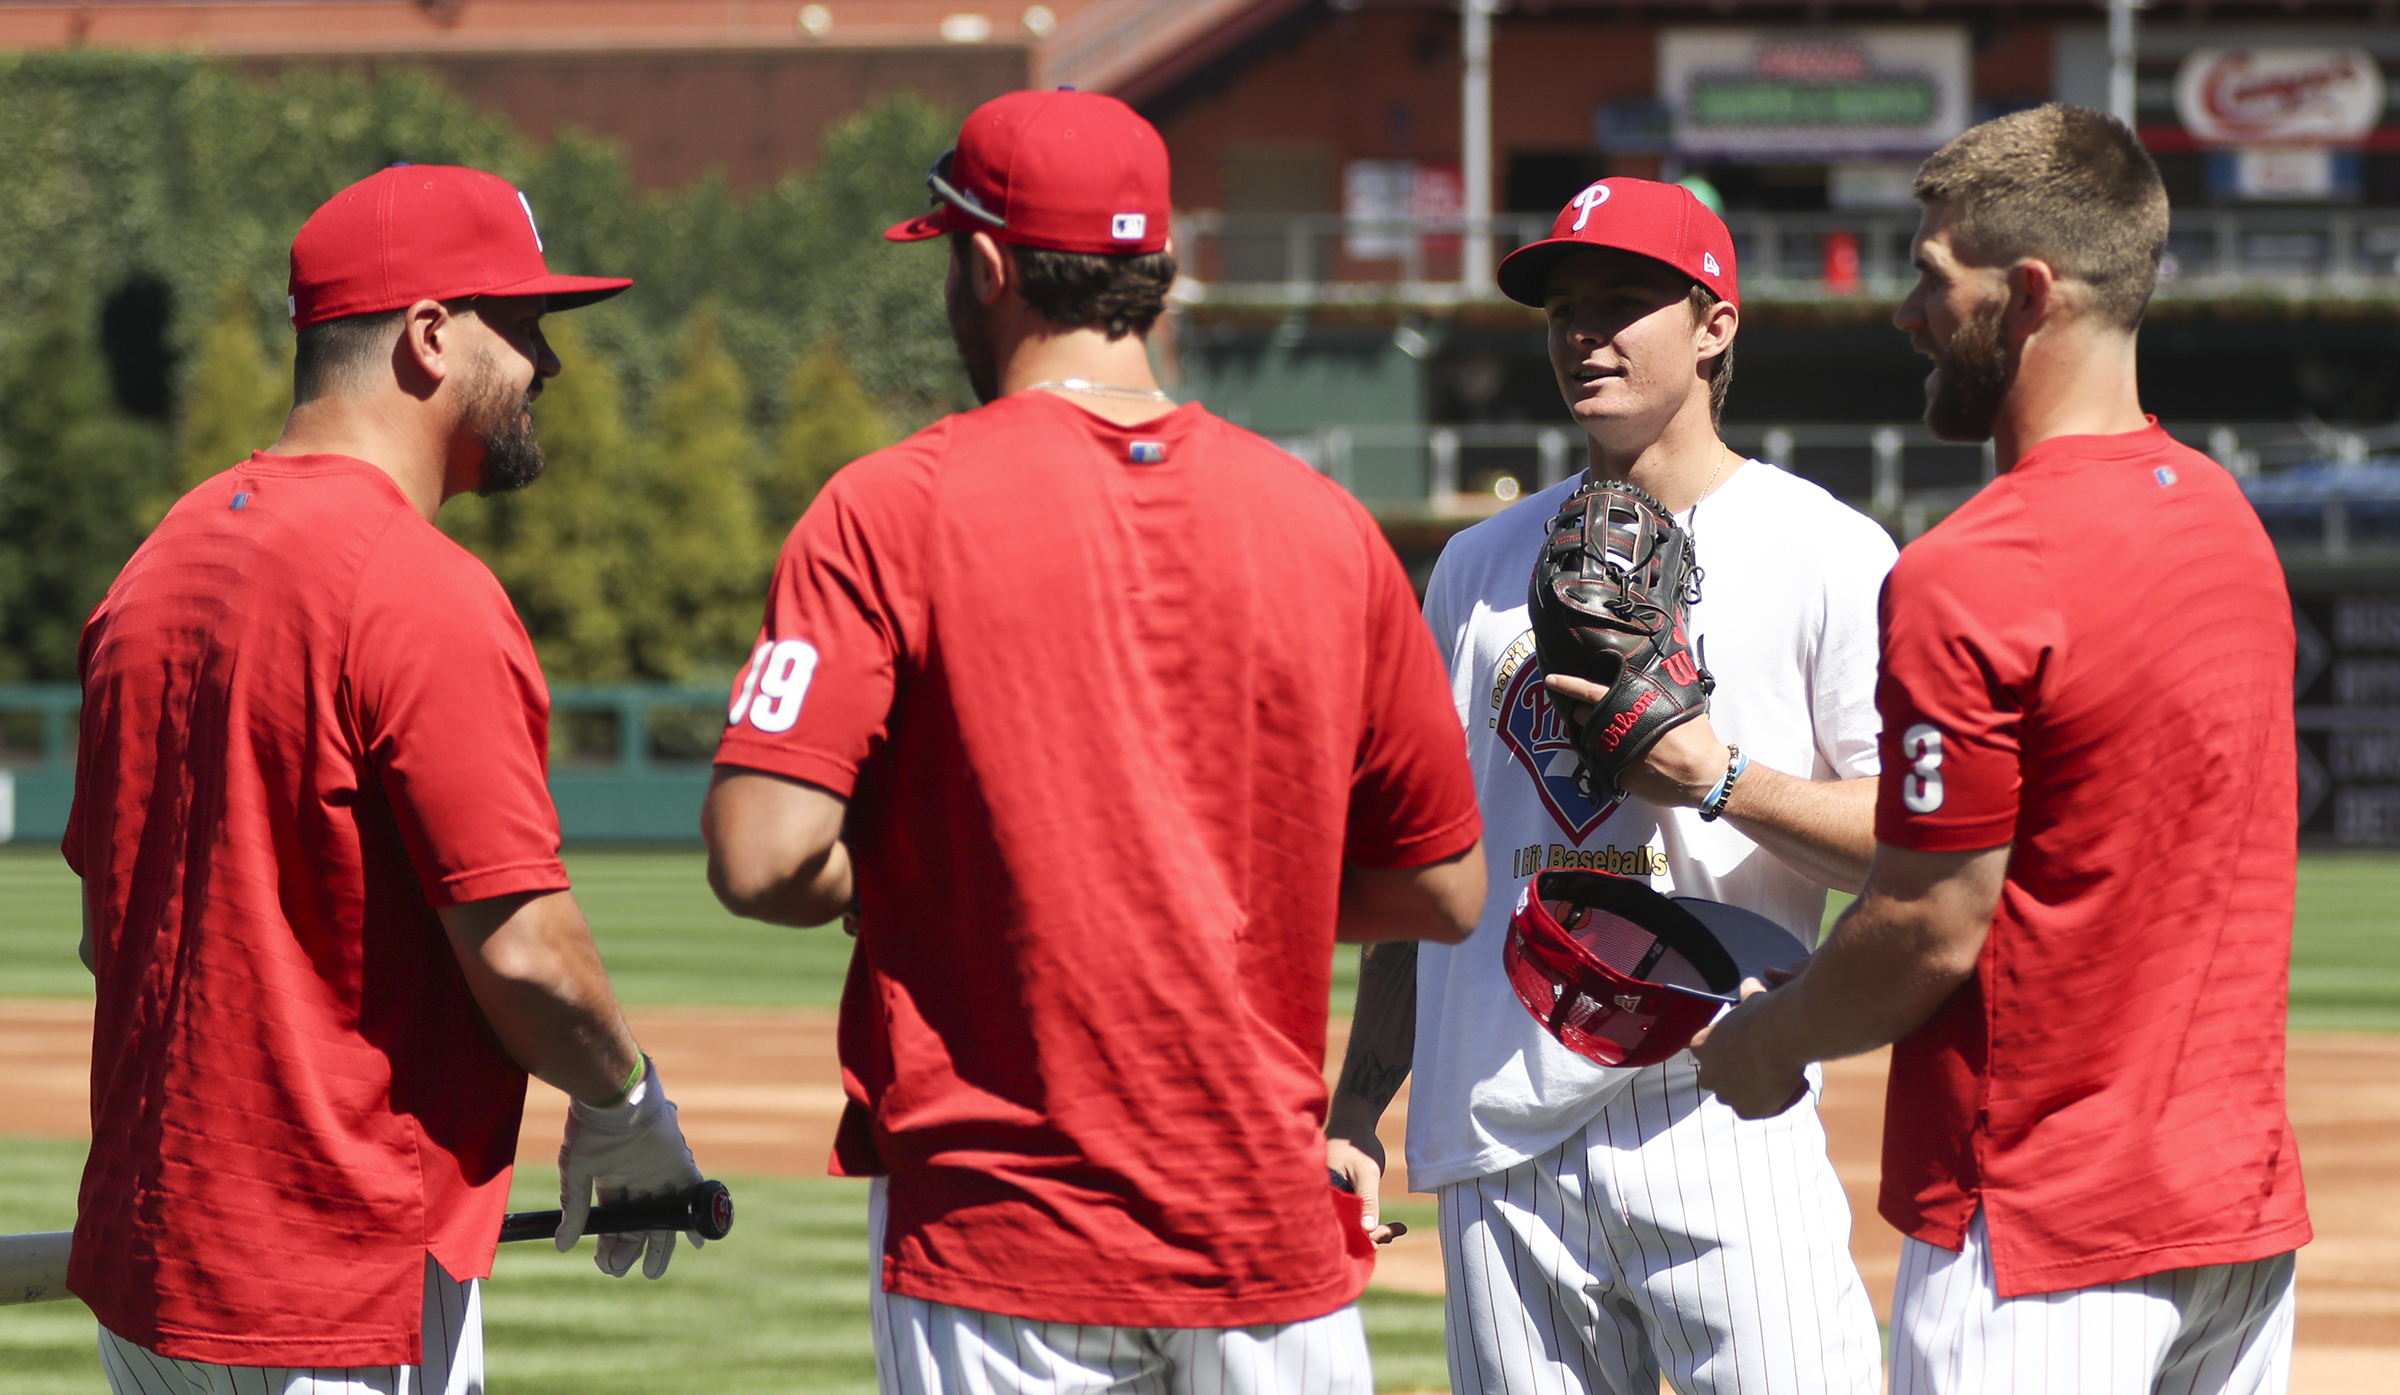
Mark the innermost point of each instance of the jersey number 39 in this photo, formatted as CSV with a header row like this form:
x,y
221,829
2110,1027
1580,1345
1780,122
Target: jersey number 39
x,y
774,684
1921,787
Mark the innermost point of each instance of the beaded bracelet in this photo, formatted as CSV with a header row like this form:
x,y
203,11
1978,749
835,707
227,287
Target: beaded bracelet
x,y
1714,804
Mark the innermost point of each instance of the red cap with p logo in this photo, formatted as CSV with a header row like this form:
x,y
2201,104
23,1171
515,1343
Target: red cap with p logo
x,y
1663,222
425,232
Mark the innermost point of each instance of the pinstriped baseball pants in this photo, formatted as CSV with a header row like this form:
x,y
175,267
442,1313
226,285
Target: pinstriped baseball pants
x,y
1667,1238
453,1359
2217,1329
928,1348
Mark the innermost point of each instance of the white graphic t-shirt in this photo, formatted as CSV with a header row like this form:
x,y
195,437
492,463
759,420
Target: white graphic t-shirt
x,y
1786,619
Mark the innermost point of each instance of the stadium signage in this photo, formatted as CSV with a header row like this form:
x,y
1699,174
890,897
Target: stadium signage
x,y
2286,96
1814,94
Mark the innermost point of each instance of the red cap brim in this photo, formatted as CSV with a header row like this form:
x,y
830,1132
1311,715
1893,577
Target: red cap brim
x,y
931,223
566,292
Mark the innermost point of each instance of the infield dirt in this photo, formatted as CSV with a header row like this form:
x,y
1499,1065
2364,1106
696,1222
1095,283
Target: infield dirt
x,y
760,1093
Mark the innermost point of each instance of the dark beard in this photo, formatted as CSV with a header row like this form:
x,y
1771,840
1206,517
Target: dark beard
x,y
503,422
971,330
1972,376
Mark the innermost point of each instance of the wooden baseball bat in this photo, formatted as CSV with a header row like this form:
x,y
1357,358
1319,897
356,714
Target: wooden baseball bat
x,y
33,1268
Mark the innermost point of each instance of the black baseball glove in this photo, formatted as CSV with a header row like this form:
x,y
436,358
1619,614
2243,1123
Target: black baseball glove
x,y
1610,592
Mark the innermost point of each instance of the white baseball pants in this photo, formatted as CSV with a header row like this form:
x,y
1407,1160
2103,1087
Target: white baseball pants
x,y
453,1359
1668,1237
928,1348
2219,1329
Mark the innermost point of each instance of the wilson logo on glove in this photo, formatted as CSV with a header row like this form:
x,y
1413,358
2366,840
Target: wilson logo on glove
x,y
1610,592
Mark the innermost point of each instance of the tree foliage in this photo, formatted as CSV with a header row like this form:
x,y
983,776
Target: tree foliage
x,y
235,399
697,414
76,479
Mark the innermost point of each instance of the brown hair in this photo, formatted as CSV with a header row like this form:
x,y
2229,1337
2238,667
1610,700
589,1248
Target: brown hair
x,y
2066,185
1720,368
339,355
1116,293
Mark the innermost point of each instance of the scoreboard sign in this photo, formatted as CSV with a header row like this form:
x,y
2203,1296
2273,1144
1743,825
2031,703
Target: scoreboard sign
x,y
2347,686
1814,94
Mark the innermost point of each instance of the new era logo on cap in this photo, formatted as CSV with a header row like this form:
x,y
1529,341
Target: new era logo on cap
x,y
1708,263
1129,227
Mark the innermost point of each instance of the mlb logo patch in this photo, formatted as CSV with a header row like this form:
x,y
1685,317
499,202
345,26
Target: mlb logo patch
x,y
2164,474
1146,452
1129,227
240,501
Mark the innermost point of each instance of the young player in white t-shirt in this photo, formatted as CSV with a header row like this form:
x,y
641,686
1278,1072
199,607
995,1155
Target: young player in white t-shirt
x,y
1601,1227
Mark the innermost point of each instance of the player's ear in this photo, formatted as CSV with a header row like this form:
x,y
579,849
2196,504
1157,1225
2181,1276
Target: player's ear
x,y
1716,329
990,270
2036,295
427,348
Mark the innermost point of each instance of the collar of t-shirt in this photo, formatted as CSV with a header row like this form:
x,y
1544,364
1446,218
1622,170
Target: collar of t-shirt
x,y
1148,443
2066,451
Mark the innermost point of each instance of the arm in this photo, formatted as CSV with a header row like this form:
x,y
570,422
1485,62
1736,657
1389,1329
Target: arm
x,y
1438,901
84,951
1383,1042
1822,829
530,962
1894,957
775,849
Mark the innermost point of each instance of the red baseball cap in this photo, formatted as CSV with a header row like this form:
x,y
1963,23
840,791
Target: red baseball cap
x,y
425,232
1663,222
1623,976
1070,171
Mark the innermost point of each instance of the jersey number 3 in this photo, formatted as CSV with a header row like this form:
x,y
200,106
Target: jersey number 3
x,y
1921,787
772,688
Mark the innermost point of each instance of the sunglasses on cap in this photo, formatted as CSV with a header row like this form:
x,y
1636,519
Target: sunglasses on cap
x,y
938,180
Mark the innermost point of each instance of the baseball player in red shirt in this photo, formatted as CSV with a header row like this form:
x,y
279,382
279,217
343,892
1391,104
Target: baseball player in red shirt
x,y
322,894
1103,717
2078,921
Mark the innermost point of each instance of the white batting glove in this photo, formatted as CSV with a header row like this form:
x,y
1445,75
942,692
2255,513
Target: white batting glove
x,y
626,1152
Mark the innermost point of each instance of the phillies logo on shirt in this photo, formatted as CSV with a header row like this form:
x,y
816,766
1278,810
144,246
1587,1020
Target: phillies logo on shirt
x,y
1536,735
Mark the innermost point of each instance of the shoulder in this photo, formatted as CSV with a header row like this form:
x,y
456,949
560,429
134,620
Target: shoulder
x,y
1499,551
906,467
417,566
1811,514
1986,543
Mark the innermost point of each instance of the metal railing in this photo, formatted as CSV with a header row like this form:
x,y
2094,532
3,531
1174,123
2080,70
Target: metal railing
x,y
1896,471
1311,259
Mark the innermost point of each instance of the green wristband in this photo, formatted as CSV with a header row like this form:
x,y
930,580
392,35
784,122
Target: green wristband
x,y
641,1067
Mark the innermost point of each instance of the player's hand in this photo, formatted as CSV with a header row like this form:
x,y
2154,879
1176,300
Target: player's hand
x,y
1737,1062
1678,772
1361,1165
624,1152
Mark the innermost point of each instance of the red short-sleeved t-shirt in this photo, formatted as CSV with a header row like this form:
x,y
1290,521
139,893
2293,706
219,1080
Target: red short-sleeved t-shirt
x,y
2092,660
1112,706
309,719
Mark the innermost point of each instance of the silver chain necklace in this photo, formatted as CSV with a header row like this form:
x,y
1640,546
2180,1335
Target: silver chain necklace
x,y
1099,390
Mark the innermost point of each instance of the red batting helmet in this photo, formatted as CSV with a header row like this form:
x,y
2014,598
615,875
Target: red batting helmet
x,y
1623,976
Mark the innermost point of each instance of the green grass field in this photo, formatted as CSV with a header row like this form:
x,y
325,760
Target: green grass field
x,y
781,1306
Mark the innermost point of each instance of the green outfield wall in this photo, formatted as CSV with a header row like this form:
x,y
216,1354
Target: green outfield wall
x,y
628,764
